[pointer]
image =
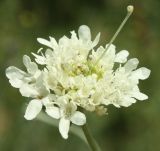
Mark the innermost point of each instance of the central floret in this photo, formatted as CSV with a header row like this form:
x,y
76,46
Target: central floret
x,y
86,68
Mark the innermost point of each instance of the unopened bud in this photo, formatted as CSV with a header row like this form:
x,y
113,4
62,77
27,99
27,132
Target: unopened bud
x,y
130,8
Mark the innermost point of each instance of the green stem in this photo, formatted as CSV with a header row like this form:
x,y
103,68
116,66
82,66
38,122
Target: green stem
x,y
129,12
74,129
91,141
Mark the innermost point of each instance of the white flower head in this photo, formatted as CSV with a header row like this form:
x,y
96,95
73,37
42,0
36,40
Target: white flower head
x,y
77,76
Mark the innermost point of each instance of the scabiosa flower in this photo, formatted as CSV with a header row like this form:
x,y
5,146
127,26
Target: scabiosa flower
x,y
76,75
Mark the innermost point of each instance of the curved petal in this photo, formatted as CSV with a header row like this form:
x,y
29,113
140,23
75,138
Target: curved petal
x,y
39,59
53,112
63,41
53,43
127,101
28,91
131,64
33,109
78,118
30,66
40,86
96,40
15,76
48,53
74,35
64,125
140,96
142,73
44,42
111,50
84,33
121,57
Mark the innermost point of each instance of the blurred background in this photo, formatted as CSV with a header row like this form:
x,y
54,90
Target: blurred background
x,y
136,128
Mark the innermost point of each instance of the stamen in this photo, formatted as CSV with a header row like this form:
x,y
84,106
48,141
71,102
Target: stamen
x,y
39,50
130,9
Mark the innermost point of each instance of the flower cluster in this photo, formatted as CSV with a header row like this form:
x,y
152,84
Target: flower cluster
x,y
72,80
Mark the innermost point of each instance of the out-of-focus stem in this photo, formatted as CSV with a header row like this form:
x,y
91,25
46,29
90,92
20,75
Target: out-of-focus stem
x,y
74,130
91,141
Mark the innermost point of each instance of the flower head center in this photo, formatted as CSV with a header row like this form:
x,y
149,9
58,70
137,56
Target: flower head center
x,y
85,68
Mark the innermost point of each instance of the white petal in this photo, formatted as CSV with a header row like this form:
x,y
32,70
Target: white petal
x,y
63,41
110,55
12,72
15,76
74,36
46,101
48,53
44,42
121,57
131,64
84,33
40,86
111,50
53,111
64,125
127,101
140,96
72,106
39,59
28,91
78,118
31,66
142,73
33,109
53,43
96,40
